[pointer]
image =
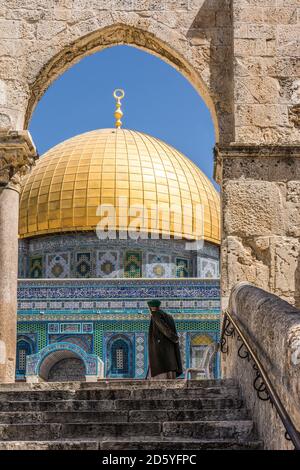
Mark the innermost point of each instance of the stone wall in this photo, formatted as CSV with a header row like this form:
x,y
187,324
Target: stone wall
x,y
273,329
261,219
259,173
41,39
241,55
266,42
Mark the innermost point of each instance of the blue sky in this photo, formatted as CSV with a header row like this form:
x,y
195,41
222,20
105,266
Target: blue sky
x,y
158,101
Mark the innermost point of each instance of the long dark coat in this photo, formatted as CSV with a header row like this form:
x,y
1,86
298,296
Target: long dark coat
x,y
163,345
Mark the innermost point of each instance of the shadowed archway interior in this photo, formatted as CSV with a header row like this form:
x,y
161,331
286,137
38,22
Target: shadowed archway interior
x,y
57,366
70,369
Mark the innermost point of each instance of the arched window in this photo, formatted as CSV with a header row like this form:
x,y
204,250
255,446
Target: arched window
x,y
120,358
24,348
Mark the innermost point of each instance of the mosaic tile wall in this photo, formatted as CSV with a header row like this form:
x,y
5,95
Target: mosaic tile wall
x,y
83,255
106,332
93,313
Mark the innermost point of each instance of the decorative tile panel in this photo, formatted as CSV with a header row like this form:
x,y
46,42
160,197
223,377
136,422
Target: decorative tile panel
x,y
84,341
58,265
158,266
70,328
53,328
140,355
87,327
107,264
133,264
182,344
208,268
83,265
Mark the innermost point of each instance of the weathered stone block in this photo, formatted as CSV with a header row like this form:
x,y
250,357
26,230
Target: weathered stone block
x,y
243,262
285,268
288,40
281,14
252,90
251,14
252,208
254,66
49,29
10,29
260,115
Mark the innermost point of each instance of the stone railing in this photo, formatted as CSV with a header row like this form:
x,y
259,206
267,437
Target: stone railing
x,y
272,329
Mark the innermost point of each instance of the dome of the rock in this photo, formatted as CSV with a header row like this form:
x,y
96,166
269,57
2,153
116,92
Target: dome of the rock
x,y
71,180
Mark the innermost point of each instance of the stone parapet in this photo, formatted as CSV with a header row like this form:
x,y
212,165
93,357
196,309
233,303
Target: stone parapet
x,y
272,327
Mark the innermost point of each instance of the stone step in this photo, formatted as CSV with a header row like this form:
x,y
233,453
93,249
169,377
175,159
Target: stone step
x,y
224,444
191,404
61,417
42,431
117,383
22,417
37,395
176,383
114,394
106,405
237,430
125,415
168,393
188,415
142,444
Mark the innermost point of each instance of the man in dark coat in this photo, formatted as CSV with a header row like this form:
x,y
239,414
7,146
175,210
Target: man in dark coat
x,y
163,344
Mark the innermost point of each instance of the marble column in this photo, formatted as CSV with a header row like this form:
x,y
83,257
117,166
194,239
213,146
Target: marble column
x,y
17,155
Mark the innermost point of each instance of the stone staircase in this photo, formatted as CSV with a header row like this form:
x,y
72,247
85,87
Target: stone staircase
x,y
125,415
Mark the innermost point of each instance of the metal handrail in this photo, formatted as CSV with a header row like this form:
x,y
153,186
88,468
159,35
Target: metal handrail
x,y
291,431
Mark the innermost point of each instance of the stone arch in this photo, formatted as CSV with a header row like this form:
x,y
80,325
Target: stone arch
x,y
40,364
118,34
54,358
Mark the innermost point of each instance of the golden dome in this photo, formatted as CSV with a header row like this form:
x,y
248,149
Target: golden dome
x,y
68,183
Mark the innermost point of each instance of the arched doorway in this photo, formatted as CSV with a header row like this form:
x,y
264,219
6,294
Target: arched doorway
x,y
63,366
63,362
